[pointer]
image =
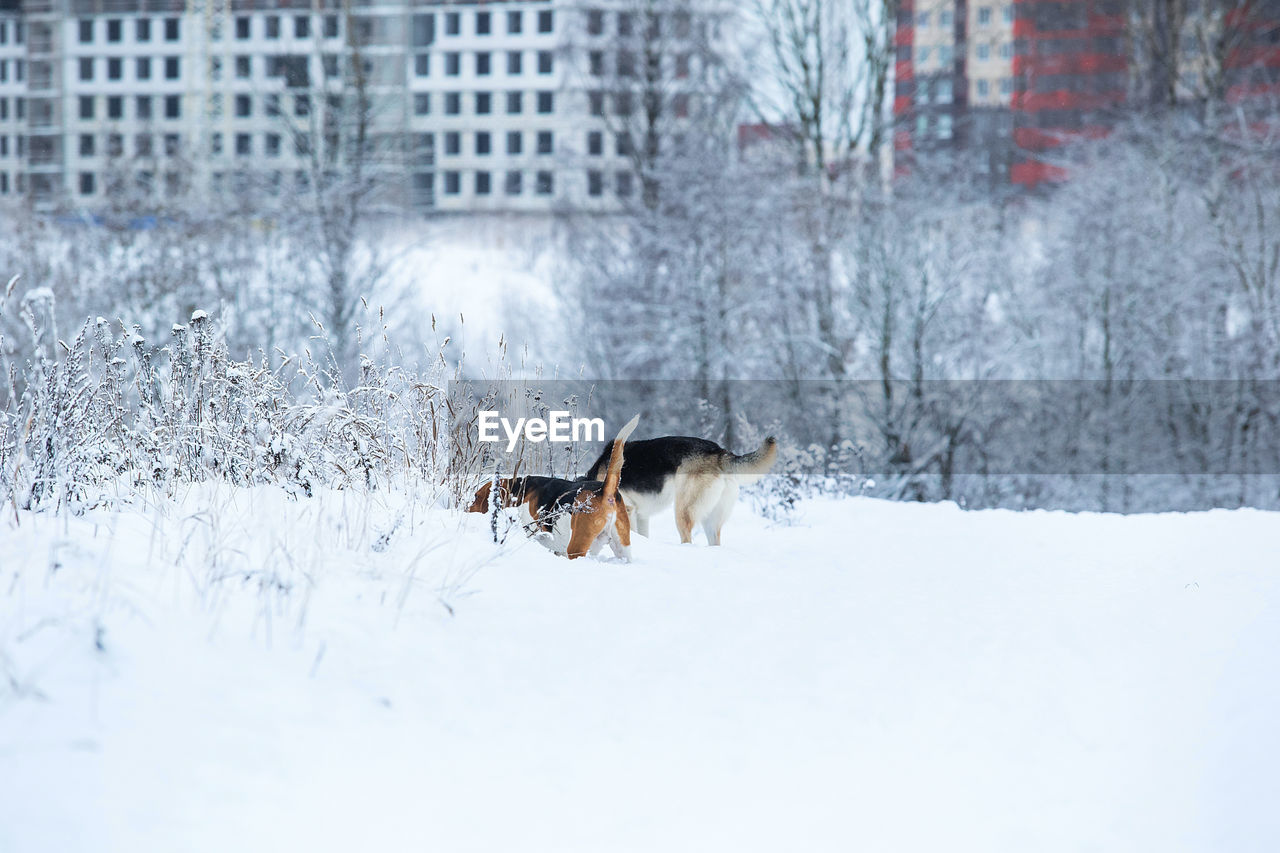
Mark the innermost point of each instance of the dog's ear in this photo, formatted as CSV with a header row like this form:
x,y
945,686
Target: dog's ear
x,y
481,502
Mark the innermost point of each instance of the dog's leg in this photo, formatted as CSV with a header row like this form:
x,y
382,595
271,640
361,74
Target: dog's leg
x,y
695,496
719,514
639,521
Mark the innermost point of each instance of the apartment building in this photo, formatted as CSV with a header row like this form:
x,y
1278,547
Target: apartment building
x,y
465,105
1005,82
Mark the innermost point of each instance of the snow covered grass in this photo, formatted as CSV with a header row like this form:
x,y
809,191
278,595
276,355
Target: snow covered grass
x,y
237,668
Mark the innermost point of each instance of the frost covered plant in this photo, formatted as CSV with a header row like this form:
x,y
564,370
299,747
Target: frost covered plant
x,y
96,419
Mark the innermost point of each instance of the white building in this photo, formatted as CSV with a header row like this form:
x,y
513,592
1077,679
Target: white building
x,y
475,106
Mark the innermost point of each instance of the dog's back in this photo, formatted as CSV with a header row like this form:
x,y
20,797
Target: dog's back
x,y
699,476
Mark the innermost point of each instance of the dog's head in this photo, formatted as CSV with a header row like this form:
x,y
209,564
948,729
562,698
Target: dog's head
x,y
481,502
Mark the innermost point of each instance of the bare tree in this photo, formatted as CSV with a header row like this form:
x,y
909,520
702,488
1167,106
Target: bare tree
x,y
351,150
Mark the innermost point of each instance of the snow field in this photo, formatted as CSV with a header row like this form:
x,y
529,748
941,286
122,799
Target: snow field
x,y
278,674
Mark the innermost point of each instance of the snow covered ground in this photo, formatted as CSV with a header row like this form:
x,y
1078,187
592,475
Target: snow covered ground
x,y
234,670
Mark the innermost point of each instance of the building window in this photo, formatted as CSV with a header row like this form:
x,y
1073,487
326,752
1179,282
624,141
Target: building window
x,y
515,23
142,29
515,103
86,31
484,23
626,63
452,183
482,64
622,145
452,104
515,142
484,103
1007,14
544,183
595,183
142,145
301,26
271,104
172,29
421,65
984,88
142,69
595,22
86,144
514,183
422,103
595,143
452,24
244,67
173,106
624,185
483,185
945,54
331,26
424,30
545,22
115,68
244,145
622,103
984,16
86,69
142,106
682,66
115,29
545,142
922,91
242,27
514,64
1006,85
115,144
115,107
171,68
272,141
273,26
86,107
1006,50
944,90
453,143
922,55
944,18
172,144
483,143
452,63
215,143
944,126
244,106
86,183
596,63
625,23
922,19
546,102
922,126
984,51
545,61
595,103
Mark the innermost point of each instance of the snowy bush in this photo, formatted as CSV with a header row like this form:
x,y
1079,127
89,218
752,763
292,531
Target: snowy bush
x,y
86,422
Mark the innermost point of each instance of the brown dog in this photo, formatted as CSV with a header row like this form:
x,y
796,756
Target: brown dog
x,y
574,512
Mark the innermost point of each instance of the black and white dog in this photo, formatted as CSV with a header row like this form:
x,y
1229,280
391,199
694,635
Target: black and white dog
x,y
699,476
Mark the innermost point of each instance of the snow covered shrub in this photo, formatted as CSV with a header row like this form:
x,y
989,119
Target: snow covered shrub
x,y
98,418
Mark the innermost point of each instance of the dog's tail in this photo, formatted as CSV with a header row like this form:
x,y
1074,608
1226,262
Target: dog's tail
x,y
614,474
750,467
